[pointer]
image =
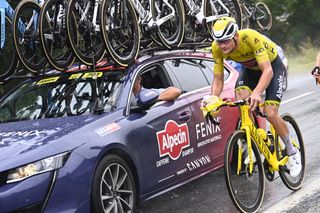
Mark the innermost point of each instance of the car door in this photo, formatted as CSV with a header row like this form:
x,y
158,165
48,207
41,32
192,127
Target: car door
x,y
164,135
195,80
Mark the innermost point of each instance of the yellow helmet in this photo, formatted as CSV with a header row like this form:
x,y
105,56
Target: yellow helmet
x,y
224,28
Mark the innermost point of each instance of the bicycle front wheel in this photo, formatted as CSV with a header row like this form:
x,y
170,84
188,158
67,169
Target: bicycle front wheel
x,y
246,190
8,55
293,183
53,35
120,30
26,36
263,16
171,32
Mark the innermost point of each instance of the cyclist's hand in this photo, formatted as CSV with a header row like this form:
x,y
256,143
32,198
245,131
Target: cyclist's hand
x,y
316,71
210,104
254,100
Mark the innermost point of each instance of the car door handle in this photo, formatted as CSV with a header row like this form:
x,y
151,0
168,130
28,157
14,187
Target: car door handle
x,y
185,116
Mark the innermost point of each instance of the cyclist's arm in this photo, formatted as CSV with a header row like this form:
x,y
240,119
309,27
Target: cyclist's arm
x,y
217,84
218,80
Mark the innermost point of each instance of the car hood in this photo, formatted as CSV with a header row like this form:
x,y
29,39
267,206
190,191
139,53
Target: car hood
x,y
32,140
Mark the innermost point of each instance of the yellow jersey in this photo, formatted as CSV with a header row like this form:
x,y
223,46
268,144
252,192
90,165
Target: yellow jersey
x,y
253,48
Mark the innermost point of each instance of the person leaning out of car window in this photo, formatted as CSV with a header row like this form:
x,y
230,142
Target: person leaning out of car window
x,y
316,70
165,94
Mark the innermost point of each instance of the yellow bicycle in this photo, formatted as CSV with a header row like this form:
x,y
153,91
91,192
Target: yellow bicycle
x,y
252,153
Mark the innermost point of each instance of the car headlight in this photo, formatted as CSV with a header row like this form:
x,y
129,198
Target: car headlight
x,y
38,167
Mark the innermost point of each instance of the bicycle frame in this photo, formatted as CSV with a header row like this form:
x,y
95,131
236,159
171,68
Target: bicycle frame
x,y
146,16
95,13
198,12
261,139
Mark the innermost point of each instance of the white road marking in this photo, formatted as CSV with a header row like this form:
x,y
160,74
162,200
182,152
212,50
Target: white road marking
x,y
294,199
295,98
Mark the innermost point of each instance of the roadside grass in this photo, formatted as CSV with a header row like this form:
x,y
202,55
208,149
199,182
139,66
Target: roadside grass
x,y
303,60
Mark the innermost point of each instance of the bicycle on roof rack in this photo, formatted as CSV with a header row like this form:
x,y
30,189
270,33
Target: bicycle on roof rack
x,y
26,35
201,14
8,55
162,19
53,35
255,13
84,30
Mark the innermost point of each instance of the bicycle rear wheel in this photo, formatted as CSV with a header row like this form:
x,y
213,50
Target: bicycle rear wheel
x,y
26,36
120,30
296,137
263,16
85,39
8,55
246,190
171,32
53,35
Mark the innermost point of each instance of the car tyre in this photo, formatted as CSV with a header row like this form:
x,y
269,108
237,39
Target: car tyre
x,y
114,188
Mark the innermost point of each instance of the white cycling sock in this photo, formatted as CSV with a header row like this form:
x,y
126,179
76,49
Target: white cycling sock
x,y
289,146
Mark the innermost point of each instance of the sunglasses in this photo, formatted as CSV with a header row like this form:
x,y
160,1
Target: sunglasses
x,y
224,41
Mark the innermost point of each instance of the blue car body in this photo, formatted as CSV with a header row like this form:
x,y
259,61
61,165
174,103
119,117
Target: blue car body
x,y
164,146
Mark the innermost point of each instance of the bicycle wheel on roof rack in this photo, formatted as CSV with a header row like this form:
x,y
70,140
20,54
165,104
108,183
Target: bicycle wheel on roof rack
x,y
263,16
120,30
193,30
8,55
85,39
234,11
171,32
26,36
245,16
53,35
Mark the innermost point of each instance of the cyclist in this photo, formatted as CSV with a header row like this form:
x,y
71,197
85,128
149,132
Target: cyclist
x,y
263,71
316,70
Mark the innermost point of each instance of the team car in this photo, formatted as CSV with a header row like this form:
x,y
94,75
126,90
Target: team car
x,y
74,142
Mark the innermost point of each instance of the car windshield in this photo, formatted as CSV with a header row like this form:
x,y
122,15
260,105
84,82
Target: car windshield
x,y
63,95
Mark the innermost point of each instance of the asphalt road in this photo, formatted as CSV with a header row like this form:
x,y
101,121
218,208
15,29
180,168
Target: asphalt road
x,y
208,194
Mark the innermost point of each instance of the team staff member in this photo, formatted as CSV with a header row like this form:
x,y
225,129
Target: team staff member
x,y
263,71
165,94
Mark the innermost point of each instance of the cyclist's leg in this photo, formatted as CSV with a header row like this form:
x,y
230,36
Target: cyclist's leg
x,y
247,81
274,94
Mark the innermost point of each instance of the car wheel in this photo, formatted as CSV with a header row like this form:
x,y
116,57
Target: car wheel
x,y
114,188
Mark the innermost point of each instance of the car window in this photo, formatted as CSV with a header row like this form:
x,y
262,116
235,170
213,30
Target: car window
x,y
209,70
189,73
62,95
155,76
